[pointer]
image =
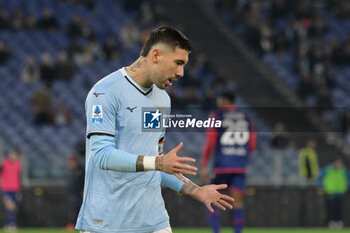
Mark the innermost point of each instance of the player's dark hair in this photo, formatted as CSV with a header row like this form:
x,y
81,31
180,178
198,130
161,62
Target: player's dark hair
x,y
168,35
230,96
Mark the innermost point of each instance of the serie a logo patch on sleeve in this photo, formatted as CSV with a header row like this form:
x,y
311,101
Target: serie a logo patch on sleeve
x,y
97,114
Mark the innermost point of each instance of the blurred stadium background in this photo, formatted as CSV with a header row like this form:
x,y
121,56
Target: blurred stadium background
x,y
288,61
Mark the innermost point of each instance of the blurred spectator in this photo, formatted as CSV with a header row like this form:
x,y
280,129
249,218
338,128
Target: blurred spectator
x,y
4,19
5,52
85,56
308,161
129,35
334,179
90,4
302,62
11,167
48,21
31,22
64,69
252,30
31,71
341,55
279,142
302,9
306,87
48,72
110,49
280,138
160,14
132,5
280,43
318,28
79,27
266,42
340,8
17,20
279,9
74,48
75,189
95,47
41,103
61,116
146,14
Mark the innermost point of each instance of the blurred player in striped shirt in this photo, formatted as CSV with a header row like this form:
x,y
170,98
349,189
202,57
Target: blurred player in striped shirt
x,y
230,145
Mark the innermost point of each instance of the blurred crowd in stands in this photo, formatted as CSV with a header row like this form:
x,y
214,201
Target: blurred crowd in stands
x,y
299,30
198,88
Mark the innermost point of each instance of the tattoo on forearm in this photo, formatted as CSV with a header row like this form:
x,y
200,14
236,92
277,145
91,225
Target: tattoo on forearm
x,y
188,188
139,164
159,163
137,64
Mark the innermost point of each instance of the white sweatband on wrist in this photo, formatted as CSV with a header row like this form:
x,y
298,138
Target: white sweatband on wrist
x,y
149,163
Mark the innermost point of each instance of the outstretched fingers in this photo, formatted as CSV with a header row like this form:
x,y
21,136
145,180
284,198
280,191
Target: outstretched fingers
x,y
227,198
186,172
218,204
186,160
186,167
178,148
210,208
226,204
220,186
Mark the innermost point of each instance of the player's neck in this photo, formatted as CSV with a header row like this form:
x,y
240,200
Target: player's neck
x,y
139,72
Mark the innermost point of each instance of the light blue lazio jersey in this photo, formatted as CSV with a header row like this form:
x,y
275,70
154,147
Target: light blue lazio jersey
x,y
117,201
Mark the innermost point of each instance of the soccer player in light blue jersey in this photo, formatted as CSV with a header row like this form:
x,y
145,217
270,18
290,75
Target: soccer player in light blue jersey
x,y
125,166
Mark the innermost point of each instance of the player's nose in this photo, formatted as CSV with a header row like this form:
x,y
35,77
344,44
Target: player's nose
x,y
179,72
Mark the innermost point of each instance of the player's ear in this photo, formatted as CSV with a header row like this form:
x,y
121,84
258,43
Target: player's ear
x,y
156,55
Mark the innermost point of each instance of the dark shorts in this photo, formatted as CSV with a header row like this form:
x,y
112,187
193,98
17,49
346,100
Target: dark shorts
x,y
235,182
13,196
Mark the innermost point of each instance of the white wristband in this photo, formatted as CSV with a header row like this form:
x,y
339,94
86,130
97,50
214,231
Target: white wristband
x,y
149,163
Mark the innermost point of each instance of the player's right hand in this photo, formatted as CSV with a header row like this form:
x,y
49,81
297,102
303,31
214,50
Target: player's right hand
x,y
173,164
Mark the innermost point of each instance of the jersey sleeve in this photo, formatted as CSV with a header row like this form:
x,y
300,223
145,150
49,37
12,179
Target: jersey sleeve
x,y
101,108
171,182
252,140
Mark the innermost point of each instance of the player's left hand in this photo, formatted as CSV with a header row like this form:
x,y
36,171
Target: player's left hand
x,y
209,195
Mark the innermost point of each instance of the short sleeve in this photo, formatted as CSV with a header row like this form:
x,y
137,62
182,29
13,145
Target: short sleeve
x,y
101,110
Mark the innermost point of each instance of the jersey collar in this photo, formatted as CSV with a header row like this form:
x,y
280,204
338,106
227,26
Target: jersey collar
x,y
143,90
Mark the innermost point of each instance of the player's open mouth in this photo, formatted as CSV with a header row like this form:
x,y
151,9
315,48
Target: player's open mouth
x,y
169,82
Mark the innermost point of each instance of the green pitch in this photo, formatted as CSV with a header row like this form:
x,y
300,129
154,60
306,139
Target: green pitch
x,y
207,230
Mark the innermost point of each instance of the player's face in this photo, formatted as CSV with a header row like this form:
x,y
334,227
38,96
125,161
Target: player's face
x,y
222,102
171,67
13,155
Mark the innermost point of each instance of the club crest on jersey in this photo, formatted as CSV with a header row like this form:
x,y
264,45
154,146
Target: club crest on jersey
x,y
97,114
152,119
